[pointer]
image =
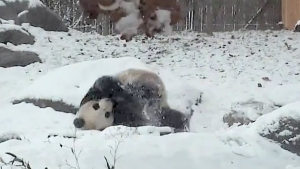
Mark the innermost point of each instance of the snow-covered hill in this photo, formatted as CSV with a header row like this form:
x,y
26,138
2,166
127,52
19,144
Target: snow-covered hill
x,y
227,68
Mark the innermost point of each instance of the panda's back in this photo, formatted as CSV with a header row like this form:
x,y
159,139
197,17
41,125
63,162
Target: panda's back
x,y
140,76
138,79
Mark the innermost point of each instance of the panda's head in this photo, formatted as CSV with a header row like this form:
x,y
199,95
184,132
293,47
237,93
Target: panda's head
x,y
95,115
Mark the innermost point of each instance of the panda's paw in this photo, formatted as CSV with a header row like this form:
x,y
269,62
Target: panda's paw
x,y
9,136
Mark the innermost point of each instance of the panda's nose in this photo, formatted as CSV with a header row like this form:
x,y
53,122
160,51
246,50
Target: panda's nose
x,y
78,122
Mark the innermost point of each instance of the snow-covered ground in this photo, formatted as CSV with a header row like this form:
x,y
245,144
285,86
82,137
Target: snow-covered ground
x,y
226,67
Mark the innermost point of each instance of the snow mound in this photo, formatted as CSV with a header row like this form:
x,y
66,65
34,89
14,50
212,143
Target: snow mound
x,y
70,83
244,112
270,122
282,126
47,134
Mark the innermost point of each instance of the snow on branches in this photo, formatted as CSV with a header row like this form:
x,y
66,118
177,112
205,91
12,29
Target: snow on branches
x,y
132,16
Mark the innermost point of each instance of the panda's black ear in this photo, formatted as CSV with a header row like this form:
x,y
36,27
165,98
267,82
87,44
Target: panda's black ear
x,y
96,106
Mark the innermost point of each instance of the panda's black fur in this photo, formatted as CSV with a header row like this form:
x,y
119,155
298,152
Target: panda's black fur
x,y
111,87
131,100
104,87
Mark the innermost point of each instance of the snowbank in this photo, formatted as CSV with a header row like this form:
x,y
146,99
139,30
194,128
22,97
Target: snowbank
x,y
38,145
70,83
244,112
270,122
281,126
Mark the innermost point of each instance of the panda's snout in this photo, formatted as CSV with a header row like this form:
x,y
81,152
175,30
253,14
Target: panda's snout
x,y
78,122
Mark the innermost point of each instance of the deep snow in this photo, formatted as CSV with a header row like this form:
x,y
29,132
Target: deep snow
x,y
226,67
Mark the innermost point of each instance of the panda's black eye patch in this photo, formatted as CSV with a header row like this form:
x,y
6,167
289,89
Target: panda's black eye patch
x,y
96,106
107,114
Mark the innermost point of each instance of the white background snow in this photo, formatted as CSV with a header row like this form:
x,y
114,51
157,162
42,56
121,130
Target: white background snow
x,y
226,67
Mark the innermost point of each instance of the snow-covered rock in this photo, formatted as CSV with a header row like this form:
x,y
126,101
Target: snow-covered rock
x,y
15,34
33,12
70,83
247,111
282,126
11,58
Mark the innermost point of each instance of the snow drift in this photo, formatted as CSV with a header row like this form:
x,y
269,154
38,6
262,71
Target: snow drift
x,y
70,83
45,139
282,126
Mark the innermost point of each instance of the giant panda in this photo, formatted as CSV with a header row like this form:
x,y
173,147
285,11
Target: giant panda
x,y
138,101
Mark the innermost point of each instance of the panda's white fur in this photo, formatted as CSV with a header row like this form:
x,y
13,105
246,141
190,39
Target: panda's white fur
x,y
144,77
95,118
